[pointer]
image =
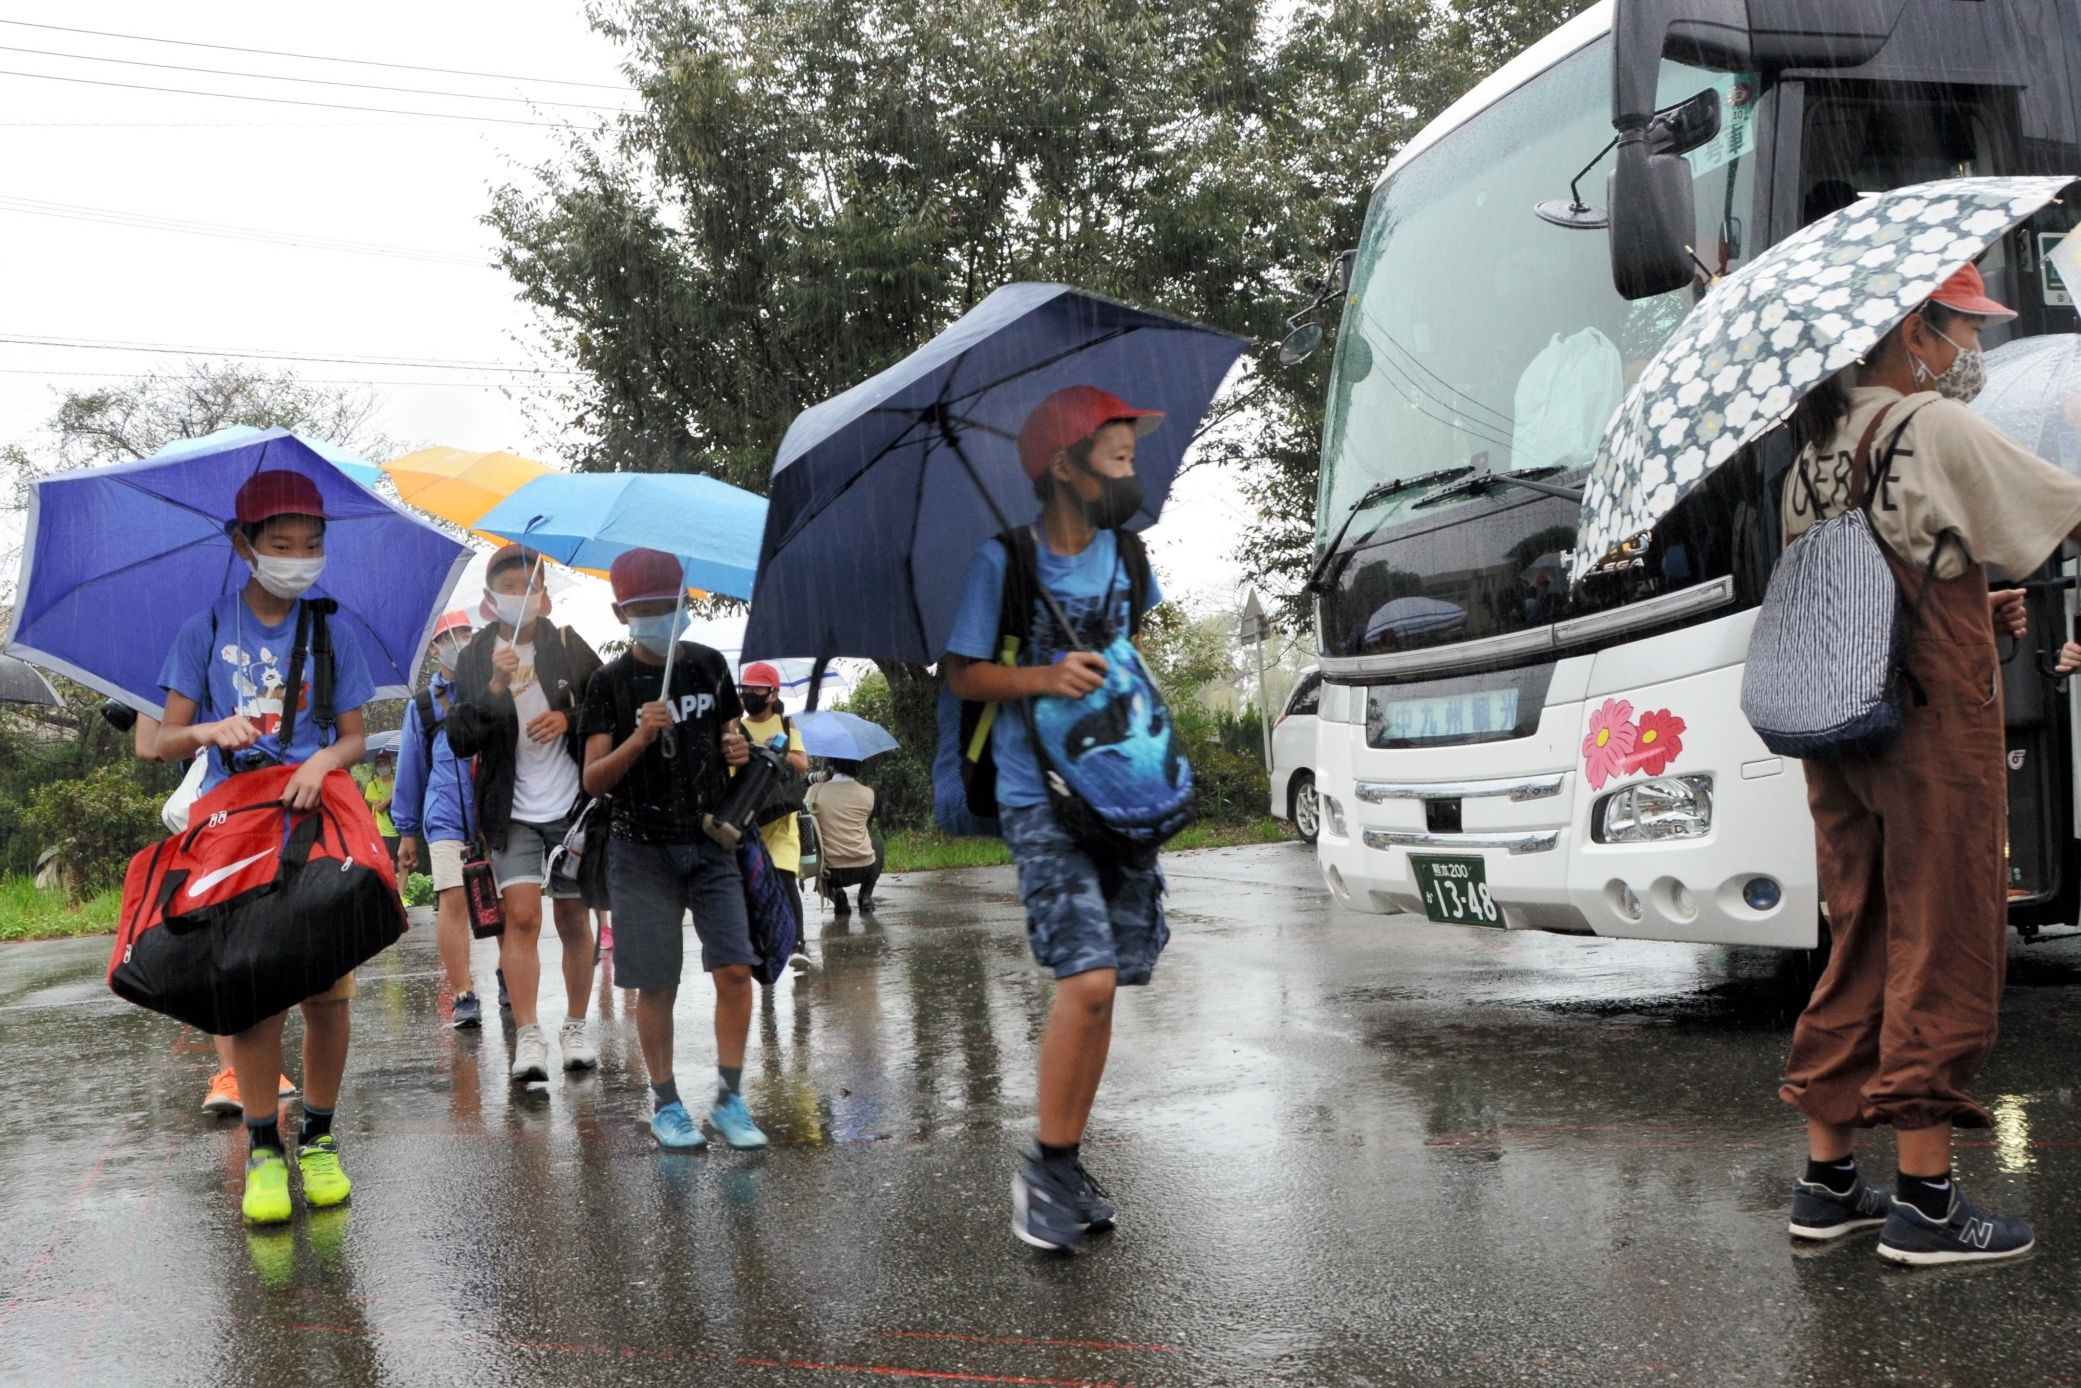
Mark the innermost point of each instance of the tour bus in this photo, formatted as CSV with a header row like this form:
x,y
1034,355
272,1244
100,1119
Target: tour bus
x,y
1518,268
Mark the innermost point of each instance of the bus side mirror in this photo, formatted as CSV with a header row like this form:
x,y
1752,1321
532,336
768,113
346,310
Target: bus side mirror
x,y
1653,219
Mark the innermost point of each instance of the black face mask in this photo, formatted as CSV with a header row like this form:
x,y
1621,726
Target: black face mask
x,y
754,704
1116,503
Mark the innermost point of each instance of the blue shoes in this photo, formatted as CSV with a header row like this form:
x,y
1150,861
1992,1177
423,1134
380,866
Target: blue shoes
x,y
1966,1234
1820,1213
467,1012
733,1120
673,1127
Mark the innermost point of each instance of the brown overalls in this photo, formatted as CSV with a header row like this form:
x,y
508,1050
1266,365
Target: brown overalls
x,y
1910,846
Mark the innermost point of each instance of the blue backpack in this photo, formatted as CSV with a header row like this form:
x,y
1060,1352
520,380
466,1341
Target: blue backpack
x,y
1116,776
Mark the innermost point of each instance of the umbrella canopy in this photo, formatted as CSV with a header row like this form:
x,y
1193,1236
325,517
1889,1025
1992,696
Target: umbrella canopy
x,y
847,736
382,742
353,464
23,683
116,558
1405,617
585,519
1767,334
881,495
460,486
2033,394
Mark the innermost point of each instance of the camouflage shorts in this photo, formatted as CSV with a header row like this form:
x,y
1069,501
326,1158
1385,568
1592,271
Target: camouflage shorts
x,y
1072,925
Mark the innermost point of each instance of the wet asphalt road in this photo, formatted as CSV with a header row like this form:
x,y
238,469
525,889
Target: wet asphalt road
x,y
1346,1150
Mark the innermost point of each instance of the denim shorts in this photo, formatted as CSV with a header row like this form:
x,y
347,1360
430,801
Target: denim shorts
x,y
651,887
1071,924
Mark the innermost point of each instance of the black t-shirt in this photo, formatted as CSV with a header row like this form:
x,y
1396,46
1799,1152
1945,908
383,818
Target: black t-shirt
x,y
661,800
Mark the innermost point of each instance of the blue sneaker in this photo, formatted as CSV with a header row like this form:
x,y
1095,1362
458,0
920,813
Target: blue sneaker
x,y
733,1120
1048,1205
467,1012
674,1127
505,998
1966,1234
1820,1213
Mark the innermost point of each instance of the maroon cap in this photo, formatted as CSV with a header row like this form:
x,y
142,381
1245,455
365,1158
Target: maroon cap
x,y
1967,292
278,493
1070,416
639,575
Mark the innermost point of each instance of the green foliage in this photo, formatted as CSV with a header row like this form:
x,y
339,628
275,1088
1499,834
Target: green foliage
x,y
908,708
812,189
1184,655
28,912
96,823
419,890
926,850
1227,755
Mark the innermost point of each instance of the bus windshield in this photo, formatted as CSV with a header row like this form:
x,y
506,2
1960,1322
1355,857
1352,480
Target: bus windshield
x,y
1477,336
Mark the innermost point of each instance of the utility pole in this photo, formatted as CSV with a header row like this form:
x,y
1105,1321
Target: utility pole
x,y
1253,630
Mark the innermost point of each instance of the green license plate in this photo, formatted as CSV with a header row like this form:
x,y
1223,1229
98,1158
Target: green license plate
x,y
1455,891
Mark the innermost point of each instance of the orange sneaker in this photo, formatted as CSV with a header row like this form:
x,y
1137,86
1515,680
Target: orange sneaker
x,y
286,1087
222,1100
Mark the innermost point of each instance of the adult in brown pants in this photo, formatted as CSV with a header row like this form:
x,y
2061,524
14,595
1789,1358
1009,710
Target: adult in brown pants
x,y
1910,841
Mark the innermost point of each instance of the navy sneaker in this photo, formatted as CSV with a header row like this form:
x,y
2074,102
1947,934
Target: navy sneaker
x,y
1968,1234
467,1012
505,998
1820,1213
1047,1210
1094,1202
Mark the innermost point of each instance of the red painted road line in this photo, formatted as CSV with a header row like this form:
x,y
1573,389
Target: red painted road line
x,y
435,1335
891,1371
1024,1340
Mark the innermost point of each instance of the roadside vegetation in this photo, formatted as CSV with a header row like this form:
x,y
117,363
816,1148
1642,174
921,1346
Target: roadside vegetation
x,y
29,912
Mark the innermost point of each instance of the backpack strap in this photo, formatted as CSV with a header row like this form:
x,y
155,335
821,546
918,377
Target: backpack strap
x,y
1863,488
292,691
423,702
1135,555
1858,464
328,666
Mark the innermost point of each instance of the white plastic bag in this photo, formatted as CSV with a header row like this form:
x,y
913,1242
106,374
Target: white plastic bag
x,y
174,813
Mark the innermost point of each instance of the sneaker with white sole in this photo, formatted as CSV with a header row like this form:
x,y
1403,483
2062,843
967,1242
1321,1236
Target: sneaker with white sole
x,y
575,1041
674,1127
1821,1213
733,1120
466,1013
530,1055
1966,1234
1047,1205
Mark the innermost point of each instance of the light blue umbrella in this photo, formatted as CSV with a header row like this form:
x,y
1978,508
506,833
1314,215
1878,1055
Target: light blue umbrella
x,y
382,742
847,736
116,558
586,519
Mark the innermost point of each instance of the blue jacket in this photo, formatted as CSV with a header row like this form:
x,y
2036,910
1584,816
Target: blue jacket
x,y
428,802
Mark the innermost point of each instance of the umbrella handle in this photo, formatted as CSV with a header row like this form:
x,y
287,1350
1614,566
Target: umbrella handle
x,y
668,740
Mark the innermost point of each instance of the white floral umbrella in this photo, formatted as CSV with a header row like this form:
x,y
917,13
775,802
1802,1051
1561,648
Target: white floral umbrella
x,y
1767,334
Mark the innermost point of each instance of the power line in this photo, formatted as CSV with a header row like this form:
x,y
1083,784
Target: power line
x,y
147,222
430,364
313,81
301,380
314,57
282,100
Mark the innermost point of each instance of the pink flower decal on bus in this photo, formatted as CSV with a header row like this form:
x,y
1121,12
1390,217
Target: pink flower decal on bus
x,y
1618,746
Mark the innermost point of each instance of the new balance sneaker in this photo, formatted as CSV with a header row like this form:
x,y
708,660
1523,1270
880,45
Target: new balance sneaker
x,y
1820,1213
576,1043
267,1187
222,1100
323,1182
1046,1208
733,1120
1967,1234
674,1127
467,1012
530,1055
1094,1202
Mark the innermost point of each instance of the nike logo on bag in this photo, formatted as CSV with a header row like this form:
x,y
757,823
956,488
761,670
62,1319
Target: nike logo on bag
x,y
211,879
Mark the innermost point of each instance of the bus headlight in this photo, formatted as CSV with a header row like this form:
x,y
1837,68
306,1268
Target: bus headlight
x,y
1668,807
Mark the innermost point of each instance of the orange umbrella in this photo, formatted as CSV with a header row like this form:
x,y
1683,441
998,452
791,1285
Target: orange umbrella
x,y
460,486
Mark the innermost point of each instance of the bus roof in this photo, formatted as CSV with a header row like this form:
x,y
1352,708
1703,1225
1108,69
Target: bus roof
x,y
1578,33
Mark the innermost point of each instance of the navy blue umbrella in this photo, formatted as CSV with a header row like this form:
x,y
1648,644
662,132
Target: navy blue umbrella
x,y
881,495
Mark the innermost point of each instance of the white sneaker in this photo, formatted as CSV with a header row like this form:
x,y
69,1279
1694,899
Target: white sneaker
x,y
573,1040
799,962
530,1055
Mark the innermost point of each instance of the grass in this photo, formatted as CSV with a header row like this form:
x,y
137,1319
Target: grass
x,y
29,913
927,850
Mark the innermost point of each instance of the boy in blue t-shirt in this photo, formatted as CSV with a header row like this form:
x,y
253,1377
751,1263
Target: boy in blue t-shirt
x,y
226,688
1094,930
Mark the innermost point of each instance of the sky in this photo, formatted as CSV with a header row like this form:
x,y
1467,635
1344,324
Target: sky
x,y
142,227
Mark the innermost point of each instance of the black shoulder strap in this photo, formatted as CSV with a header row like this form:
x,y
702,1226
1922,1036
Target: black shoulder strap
x,y
1135,555
292,690
1021,583
424,702
618,686
328,665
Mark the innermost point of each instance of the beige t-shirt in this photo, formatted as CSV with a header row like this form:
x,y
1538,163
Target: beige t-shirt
x,y
1954,471
842,806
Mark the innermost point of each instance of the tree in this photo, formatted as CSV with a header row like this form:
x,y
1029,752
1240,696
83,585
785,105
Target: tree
x,y
812,188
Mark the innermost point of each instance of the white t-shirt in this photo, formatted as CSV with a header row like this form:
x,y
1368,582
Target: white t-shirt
x,y
545,779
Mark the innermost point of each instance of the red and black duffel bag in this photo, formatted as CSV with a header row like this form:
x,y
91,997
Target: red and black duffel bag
x,y
256,907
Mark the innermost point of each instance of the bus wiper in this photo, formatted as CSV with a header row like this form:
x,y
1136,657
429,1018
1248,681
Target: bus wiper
x,y
1483,482
1374,496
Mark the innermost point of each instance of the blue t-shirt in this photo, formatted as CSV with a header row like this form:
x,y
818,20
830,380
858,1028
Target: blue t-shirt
x,y
1081,584
244,669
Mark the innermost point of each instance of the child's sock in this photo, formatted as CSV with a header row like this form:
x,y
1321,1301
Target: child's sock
x,y
732,1077
666,1094
265,1132
317,1123
1929,1194
1838,1176
1057,1154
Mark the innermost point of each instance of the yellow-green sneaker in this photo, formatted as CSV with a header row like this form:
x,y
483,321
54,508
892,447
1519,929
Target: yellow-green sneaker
x,y
323,1181
267,1187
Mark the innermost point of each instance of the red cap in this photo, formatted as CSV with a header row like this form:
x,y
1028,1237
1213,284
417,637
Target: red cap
x,y
457,620
1070,416
278,492
1967,292
640,575
759,675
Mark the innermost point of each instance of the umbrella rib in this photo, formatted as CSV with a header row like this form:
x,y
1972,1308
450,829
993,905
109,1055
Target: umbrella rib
x,y
1041,365
806,517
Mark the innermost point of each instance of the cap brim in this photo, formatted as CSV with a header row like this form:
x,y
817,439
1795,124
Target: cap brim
x,y
669,595
1145,421
1979,306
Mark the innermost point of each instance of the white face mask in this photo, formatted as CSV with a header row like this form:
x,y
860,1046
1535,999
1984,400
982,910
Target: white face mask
x,y
286,578
446,653
516,610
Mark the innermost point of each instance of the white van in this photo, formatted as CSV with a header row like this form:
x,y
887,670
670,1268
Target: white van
x,y
1293,756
